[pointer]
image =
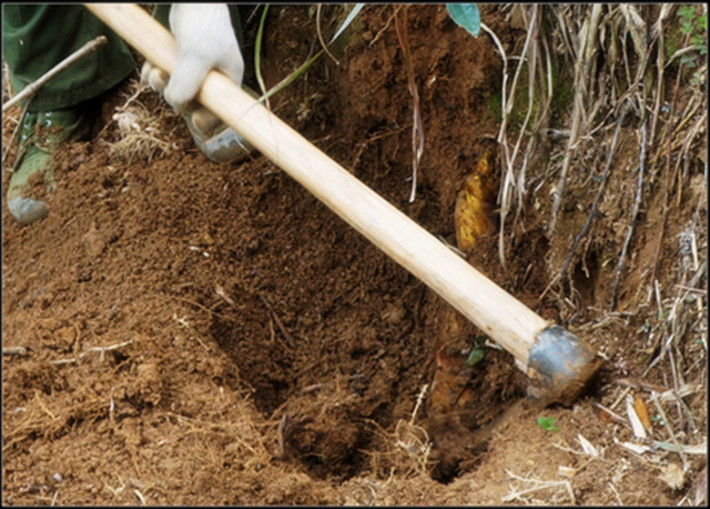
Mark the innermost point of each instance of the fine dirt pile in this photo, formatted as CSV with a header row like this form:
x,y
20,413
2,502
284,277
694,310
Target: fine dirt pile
x,y
178,331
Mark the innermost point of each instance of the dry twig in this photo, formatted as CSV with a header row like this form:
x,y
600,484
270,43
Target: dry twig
x,y
15,132
36,85
14,350
320,36
537,485
287,335
101,349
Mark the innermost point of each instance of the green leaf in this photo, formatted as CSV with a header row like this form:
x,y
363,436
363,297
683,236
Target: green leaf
x,y
476,356
700,42
686,11
688,61
348,20
547,423
466,16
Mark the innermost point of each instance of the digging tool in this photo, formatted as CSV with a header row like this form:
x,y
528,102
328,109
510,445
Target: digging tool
x,y
558,363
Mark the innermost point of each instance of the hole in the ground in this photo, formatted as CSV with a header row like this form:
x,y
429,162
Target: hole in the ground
x,y
330,444
334,431
265,367
585,278
322,427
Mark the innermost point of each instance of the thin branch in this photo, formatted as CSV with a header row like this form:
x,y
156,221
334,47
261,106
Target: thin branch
x,y
386,26
502,136
257,54
666,183
660,65
529,55
34,87
320,36
287,335
14,135
658,406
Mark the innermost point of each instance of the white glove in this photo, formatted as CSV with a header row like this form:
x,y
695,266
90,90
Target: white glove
x,y
206,41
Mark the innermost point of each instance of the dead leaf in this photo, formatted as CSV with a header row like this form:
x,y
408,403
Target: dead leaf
x,y
699,449
607,415
587,446
639,430
640,384
637,448
642,412
602,413
517,18
684,390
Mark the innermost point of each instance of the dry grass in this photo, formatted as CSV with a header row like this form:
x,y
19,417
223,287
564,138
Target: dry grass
x,y
406,451
141,130
552,492
624,79
417,128
592,40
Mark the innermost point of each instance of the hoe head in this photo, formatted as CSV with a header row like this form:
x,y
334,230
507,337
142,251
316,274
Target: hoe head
x,y
559,366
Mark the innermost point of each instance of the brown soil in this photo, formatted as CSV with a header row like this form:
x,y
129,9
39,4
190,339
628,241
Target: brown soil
x,y
202,333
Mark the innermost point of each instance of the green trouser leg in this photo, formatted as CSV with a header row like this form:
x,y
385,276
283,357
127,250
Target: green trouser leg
x,y
35,38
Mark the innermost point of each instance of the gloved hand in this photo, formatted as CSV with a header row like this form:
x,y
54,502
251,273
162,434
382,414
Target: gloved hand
x,y
206,41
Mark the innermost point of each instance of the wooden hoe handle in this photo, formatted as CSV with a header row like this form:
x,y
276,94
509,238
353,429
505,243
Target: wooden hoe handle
x,y
497,313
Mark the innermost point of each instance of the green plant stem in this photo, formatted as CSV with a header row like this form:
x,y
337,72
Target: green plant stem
x,y
257,53
288,79
306,65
